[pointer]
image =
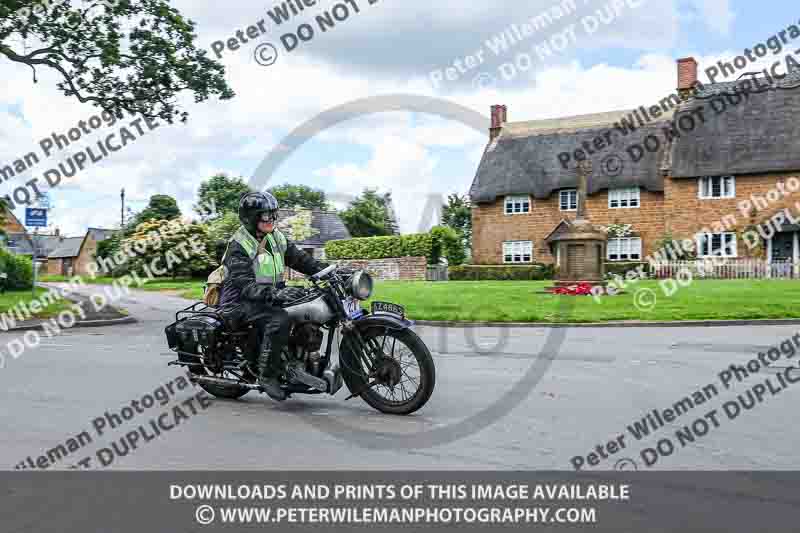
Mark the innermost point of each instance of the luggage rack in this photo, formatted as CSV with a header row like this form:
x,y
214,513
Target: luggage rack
x,y
199,309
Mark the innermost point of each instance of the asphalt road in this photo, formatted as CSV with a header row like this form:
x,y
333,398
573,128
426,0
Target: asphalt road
x,y
489,410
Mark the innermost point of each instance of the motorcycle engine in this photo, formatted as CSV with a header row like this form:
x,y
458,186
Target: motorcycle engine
x,y
307,340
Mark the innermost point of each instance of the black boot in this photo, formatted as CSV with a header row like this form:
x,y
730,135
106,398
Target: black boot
x,y
268,370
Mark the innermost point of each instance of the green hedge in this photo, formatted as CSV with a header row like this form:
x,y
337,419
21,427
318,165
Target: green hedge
x,y
501,273
440,242
416,245
19,269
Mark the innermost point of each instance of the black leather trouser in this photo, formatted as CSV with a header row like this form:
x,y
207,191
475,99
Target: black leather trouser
x,y
272,336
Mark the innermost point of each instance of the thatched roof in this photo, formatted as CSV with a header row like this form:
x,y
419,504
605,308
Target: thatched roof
x,y
523,159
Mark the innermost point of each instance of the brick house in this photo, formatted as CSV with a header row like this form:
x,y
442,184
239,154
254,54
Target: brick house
x,y
702,165
72,255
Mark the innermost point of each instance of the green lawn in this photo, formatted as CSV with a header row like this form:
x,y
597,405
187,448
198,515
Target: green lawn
x,y
524,301
11,298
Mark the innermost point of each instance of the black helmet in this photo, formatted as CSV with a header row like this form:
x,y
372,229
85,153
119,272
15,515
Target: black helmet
x,y
253,205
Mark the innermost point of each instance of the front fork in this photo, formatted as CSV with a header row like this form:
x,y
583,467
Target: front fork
x,y
362,348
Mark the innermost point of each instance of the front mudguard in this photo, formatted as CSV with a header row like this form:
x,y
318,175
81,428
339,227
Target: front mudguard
x,y
354,365
384,321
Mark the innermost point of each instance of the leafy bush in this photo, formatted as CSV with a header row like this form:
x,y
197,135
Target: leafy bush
x,y
19,269
446,242
415,245
501,273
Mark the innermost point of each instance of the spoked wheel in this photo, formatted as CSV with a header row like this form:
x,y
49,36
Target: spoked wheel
x,y
403,377
230,392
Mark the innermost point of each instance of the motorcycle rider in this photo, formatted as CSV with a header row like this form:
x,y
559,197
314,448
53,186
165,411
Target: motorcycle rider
x,y
255,262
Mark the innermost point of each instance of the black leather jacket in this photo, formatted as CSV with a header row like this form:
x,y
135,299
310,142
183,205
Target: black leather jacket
x,y
241,295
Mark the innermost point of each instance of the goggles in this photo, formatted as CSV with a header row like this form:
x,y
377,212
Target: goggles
x,y
268,216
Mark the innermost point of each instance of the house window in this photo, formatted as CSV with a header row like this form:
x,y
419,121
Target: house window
x,y
624,198
516,205
716,245
518,252
569,200
711,187
625,249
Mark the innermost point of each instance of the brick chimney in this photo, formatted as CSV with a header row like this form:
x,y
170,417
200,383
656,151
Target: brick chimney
x,y
687,76
499,117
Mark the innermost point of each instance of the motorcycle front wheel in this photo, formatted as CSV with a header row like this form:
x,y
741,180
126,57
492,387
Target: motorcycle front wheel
x,y
403,377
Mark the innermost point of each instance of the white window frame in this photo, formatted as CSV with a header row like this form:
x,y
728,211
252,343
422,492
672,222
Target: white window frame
x,y
625,198
515,202
729,249
568,193
517,249
625,247
705,187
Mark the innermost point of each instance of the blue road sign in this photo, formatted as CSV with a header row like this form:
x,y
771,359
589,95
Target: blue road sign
x,y
35,217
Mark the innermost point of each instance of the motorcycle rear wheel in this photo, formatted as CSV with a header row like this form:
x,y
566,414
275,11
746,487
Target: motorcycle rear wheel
x,y
424,361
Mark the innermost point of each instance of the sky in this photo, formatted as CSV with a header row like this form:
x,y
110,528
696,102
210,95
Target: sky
x,y
588,56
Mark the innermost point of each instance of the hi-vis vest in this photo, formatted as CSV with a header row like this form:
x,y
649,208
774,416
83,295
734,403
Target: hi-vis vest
x,y
267,259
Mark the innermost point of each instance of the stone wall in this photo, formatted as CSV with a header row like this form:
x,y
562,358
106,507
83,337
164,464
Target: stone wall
x,y
397,268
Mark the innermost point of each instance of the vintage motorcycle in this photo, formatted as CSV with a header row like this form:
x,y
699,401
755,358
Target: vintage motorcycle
x,y
380,358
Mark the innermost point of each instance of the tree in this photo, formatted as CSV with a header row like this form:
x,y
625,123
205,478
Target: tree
x,y
5,208
218,195
367,215
302,196
457,214
132,56
223,227
161,207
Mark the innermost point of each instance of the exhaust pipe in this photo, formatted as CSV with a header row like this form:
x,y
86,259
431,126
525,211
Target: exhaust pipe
x,y
331,382
210,380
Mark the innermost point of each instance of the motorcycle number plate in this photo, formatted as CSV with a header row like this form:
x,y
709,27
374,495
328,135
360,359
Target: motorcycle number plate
x,y
389,309
352,308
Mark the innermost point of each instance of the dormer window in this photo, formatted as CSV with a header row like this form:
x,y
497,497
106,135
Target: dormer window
x,y
626,198
517,205
568,199
715,187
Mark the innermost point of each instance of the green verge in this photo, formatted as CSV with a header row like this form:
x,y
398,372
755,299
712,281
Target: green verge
x,y
10,299
525,301
185,287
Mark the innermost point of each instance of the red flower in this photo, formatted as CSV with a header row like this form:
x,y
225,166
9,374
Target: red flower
x,y
581,289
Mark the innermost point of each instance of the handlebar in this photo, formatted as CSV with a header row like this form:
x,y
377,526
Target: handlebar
x,y
323,273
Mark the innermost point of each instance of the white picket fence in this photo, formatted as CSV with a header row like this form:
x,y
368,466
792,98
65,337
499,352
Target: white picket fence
x,y
727,269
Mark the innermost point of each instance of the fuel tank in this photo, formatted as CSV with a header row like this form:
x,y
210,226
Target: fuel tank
x,y
316,311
